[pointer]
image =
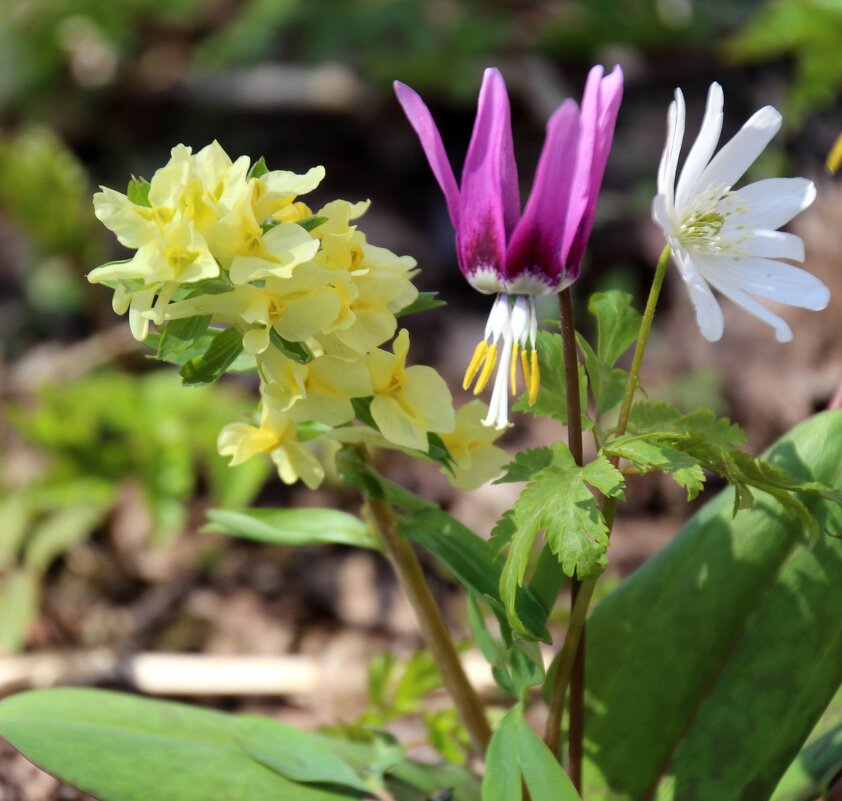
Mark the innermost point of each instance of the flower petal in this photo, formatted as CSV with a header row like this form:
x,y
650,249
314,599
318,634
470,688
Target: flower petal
x,y
422,121
669,158
537,241
773,202
708,311
737,155
717,272
600,104
489,204
774,280
704,146
775,245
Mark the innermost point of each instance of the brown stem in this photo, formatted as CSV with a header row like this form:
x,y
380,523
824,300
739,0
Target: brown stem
x,y
433,628
577,679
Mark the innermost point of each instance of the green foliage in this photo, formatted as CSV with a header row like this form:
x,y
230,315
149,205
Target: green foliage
x,y
518,756
122,748
807,31
552,397
138,191
178,336
682,444
293,527
725,649
224,348
297,351
424,302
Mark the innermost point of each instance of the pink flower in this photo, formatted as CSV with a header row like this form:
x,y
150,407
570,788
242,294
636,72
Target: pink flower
x,y
501,250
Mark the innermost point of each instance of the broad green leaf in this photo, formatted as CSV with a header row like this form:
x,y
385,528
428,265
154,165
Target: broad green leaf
x,y
820,761
724,649
617,324
178,335
297,351
243,363
224,348
19,591
122,748
15,514
516,754
424,302
552,397
293,527
295,754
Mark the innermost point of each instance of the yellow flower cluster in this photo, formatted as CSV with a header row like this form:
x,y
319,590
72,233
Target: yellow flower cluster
x,y
313,300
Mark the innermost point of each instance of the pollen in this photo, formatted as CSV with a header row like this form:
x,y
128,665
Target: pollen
x,y
487,369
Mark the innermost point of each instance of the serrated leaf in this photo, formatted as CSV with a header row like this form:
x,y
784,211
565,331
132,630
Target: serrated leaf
x,y
649,417
617,324
529,462
207,368
608,384
424,302
552,397
138,192
646,455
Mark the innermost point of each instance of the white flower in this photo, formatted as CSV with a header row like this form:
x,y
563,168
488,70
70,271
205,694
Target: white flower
x,y
727,238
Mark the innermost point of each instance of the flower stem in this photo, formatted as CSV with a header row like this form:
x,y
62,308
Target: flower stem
x,y
566,666
433,628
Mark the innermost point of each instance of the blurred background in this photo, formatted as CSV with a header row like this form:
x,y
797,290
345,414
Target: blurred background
x,y
107,465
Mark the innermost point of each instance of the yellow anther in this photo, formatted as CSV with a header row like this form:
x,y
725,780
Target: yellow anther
x,y
513,369
534,377
476,361
834,158
487,369
524,364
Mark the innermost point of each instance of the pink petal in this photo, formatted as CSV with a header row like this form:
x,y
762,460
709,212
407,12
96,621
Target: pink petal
x,y
537,241
422,121
490,201
600,104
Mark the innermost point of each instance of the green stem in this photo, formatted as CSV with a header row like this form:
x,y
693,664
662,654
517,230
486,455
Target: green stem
x,y
575,631
433,628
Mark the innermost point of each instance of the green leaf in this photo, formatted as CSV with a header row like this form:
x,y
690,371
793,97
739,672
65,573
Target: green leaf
x,y
527,463
646,456
15,514
617,324
658,417
552,397
138,192
292,527
178,335
295,754
311,223
121,748
19,593
469,559
61,530
243,363
424,302
725,648
258,169
517,754
608,384
223,350
297,351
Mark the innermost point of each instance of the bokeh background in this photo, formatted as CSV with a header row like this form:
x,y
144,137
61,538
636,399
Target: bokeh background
x,y
107,465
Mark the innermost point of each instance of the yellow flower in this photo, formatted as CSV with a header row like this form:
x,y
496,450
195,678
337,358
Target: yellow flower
x,y
408,401
277,436
476,458
320,390
275,194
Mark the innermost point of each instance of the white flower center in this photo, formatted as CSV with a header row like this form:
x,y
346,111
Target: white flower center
x,y
707,223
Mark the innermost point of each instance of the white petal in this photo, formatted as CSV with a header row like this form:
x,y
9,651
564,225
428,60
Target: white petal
x,y
773,202
776,281
660,214
775,245
708,312
737,155
669,158
725,281
702,150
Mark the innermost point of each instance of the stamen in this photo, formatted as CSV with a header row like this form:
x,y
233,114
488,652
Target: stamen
x,y
487,369
534,378
524,363
476,361
513,369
